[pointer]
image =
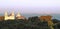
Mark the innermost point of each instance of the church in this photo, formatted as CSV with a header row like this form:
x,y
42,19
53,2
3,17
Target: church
x,y
12,16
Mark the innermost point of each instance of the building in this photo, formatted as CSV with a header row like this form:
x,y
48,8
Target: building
x,y
19,16
9,17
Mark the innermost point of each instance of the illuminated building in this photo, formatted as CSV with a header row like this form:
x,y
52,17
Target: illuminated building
x,y
9,17
19,16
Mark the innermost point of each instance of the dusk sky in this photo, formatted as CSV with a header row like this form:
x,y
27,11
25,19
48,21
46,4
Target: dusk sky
x,y
31,6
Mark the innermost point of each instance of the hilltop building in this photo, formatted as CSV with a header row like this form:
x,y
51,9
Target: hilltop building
x,y
19,16
12,16
9,17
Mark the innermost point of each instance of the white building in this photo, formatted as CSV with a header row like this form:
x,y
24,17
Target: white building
x,y
9,17
19,16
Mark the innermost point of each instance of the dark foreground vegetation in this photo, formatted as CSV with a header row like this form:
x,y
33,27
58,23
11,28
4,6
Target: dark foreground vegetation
x,y
31,23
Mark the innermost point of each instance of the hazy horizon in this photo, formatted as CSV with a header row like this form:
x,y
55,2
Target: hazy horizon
x,y
30,6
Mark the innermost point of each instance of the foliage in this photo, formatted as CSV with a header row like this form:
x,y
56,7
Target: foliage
x,y
31,23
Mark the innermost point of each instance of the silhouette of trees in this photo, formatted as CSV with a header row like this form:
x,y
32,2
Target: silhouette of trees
x,y
30,23
57,26
55,20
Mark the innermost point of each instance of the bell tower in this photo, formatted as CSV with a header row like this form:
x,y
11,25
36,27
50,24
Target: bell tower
x,y
12,16
9,17
18,14
6,15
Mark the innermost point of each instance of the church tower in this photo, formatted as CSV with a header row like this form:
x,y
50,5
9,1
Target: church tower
x,y
19,16
9,17
12,13
5,16
12,16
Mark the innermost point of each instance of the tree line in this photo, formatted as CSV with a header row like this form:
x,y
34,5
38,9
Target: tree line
x,y
30,23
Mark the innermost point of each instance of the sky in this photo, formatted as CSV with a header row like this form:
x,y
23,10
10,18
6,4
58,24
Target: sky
x,y
30,6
